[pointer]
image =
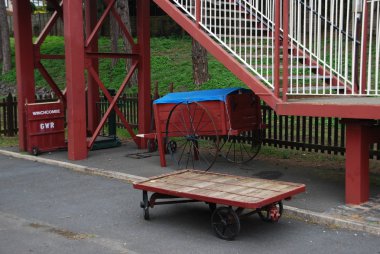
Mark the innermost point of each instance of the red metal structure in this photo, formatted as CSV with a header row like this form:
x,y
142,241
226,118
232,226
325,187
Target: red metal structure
x,y
81,56
275,47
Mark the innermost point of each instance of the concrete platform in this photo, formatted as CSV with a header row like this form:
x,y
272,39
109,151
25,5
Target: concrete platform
x,y
323,201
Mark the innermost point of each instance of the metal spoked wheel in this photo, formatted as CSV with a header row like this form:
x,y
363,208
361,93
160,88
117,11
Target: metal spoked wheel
x,y
271,213
225,223
236,150
145,205
191,136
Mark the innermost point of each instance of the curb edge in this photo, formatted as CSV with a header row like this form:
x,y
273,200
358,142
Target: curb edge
x,y
301,214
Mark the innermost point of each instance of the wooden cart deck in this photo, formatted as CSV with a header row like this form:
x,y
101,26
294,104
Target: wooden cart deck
x,y
238,191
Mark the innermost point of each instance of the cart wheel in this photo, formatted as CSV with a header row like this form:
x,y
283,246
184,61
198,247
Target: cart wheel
x,y
271,213
145,205
152,145
235,150
35,151
191,136
171,147
212,207
225,223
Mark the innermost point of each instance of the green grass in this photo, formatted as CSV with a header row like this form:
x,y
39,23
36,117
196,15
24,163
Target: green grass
x,y
8,141
170,63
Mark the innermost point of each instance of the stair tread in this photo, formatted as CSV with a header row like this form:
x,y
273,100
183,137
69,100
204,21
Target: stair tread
x,y
289,67
313,88
306,77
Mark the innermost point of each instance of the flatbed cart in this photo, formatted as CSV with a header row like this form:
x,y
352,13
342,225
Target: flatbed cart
x,y
196,127
228,196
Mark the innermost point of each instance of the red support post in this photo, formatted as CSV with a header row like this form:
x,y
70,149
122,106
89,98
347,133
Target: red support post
x,y
93,95
144,86
285,49
277,22
364,52
198,13
24,63
357,162
76,96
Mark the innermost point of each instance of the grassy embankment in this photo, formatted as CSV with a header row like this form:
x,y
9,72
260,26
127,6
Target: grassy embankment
x,y
171,63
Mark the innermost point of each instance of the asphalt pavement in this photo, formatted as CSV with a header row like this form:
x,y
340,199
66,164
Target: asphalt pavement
x,y
47,209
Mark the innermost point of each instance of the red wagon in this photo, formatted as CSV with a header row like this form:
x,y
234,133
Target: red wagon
x,y
194,127
234,193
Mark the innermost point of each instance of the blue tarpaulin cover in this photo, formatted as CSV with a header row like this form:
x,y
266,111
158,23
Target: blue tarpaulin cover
x,y
198,96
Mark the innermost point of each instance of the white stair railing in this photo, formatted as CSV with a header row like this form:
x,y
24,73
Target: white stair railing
x,y
371,54
238,27
329,32
334,45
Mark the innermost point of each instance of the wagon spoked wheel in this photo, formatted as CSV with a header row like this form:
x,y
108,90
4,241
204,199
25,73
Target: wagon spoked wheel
x,y
237,150
225,223
145,205
271,213
191,136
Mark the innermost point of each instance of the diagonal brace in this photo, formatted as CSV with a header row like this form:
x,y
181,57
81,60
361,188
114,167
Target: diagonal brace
x,y
50,81
46,30
113,101
89,40
122,25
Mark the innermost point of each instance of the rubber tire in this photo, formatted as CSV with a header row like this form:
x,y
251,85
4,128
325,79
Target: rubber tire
x,y
265,217
223,219
145,205
35,151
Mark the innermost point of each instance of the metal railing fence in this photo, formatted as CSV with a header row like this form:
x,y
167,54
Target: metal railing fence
x,y
298,47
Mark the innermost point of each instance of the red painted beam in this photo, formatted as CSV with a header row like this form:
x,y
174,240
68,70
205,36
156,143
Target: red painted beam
x,y
277,34
113,106
93,95
285,52
357,163
75,80
46,30
23,35
160,137
52,57
355,111
51,82
111,55
57,6
122,26
95,76
93,35
144,78
364,53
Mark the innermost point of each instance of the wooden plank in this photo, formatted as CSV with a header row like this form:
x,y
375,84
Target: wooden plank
x,y
226,189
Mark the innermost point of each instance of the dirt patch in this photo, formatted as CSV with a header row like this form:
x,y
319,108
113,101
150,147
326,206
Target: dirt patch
x,y
69,234
36,225
62,232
